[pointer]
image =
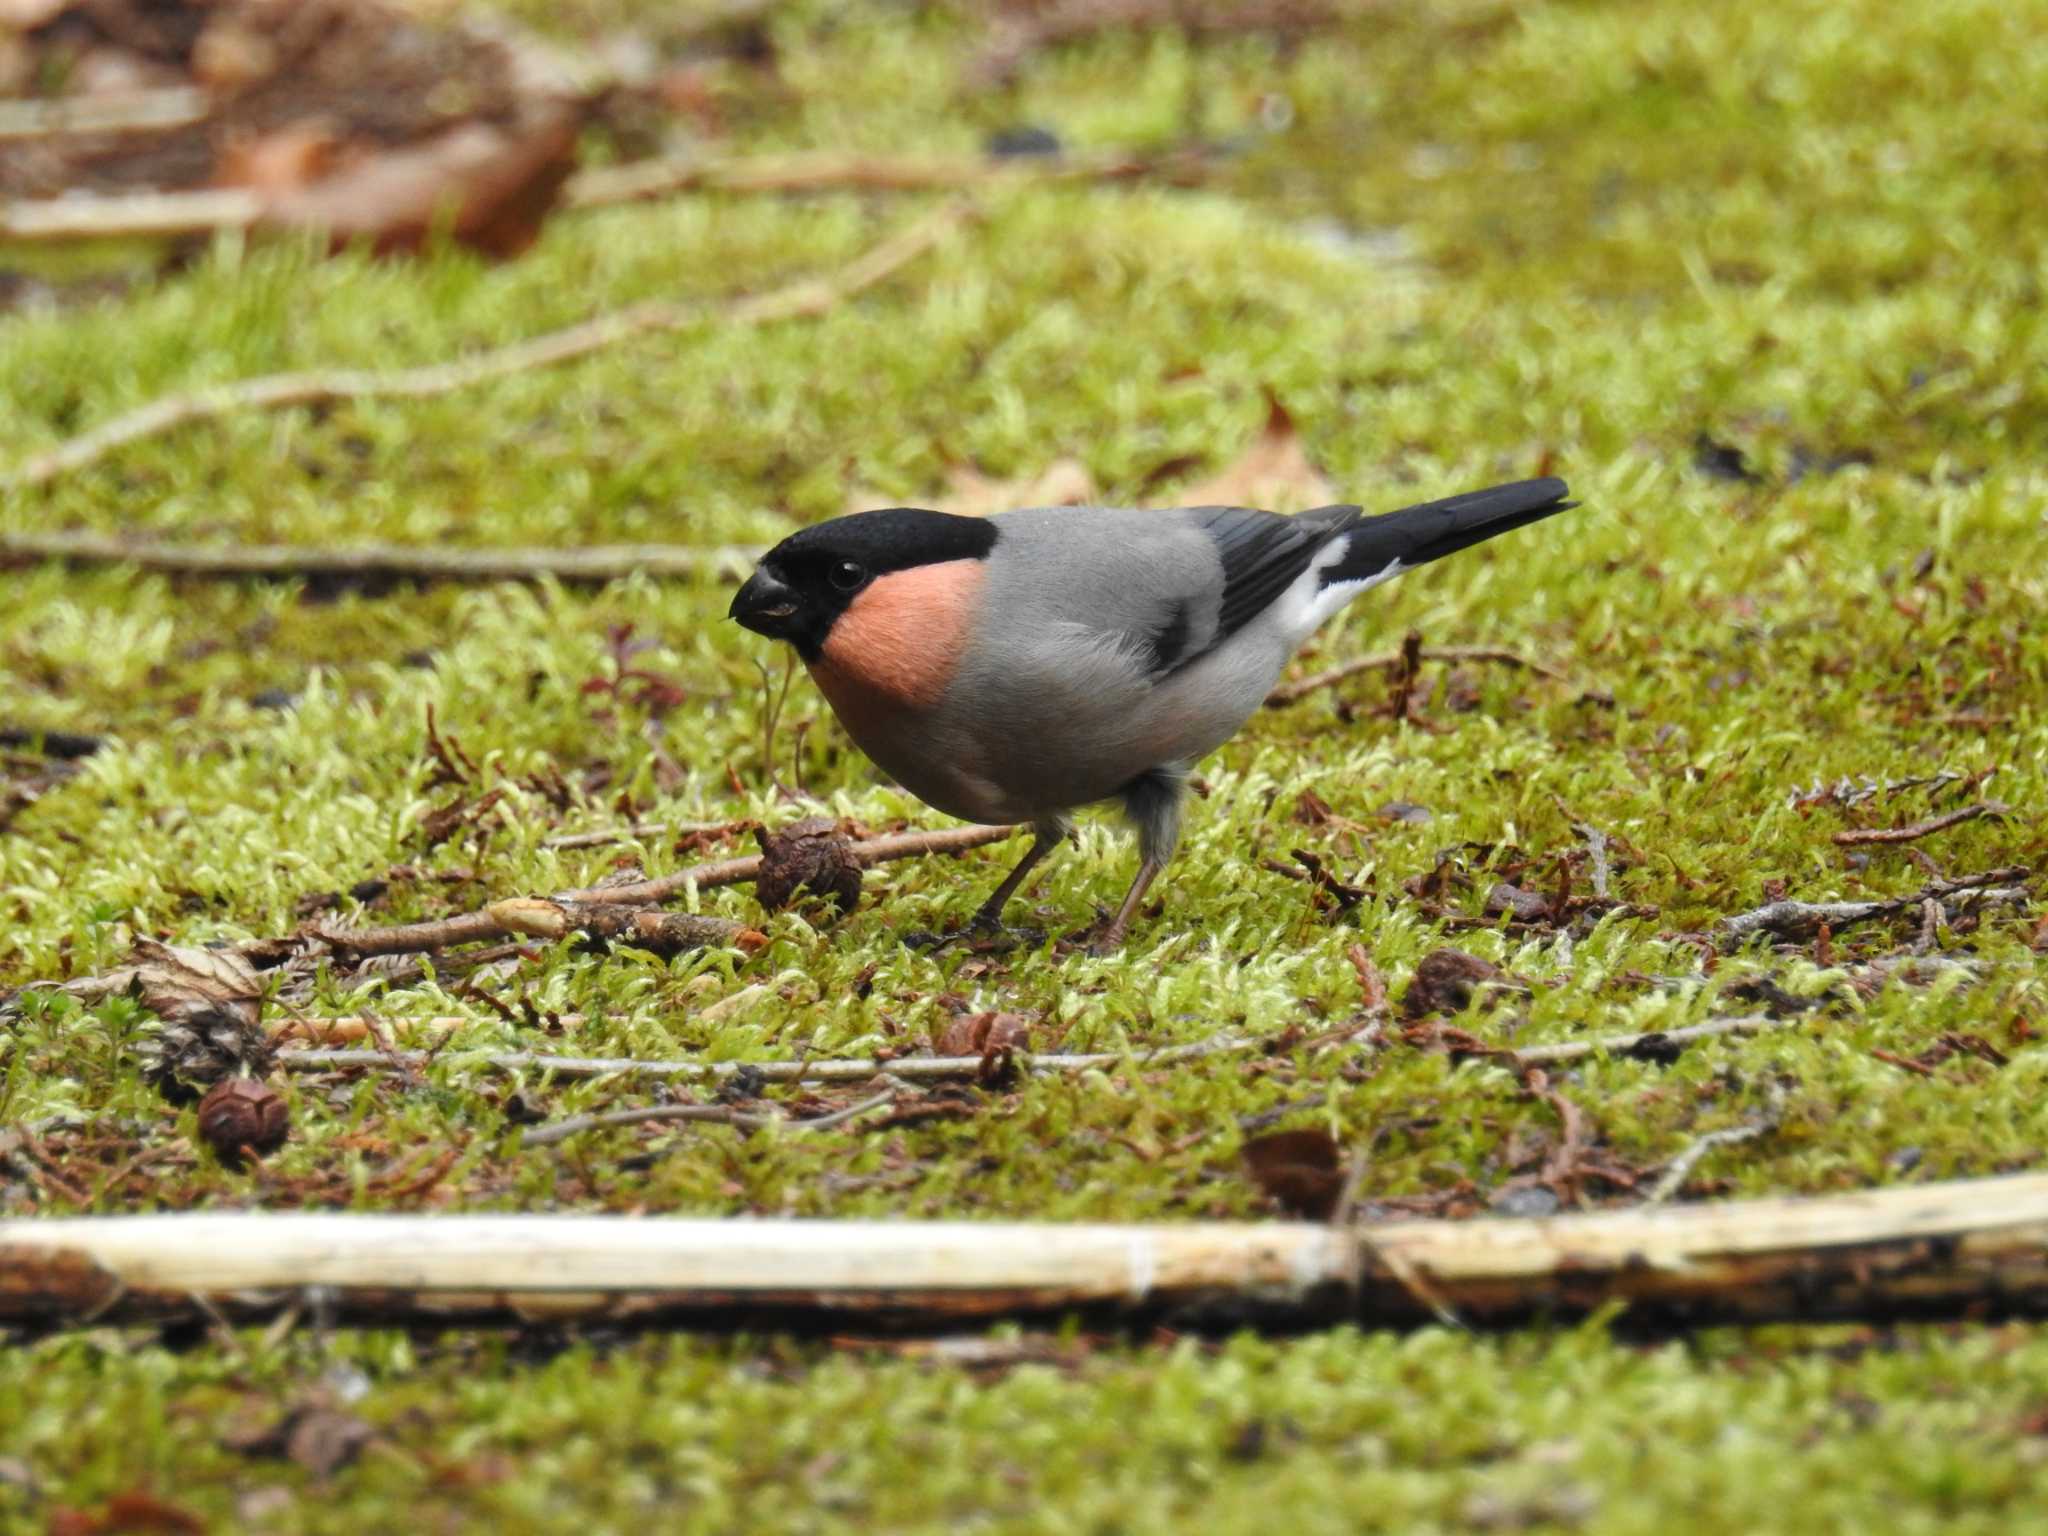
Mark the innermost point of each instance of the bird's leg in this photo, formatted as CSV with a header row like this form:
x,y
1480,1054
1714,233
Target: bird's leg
x,y
1153,802
989,916
1112,937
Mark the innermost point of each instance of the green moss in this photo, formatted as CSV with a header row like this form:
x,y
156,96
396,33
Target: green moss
x,y
1494,239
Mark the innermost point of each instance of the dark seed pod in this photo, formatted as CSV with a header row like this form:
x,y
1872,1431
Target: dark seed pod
x,y
1445,981
811,859
242,1115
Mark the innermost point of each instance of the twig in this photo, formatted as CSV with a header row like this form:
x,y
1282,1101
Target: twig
x,y
804,299
315,1030
115,112
920,1069
1802,919
1680,1168
601,836
607,186
182,215
712,1114
1596,849
1385,661
1933,824
870,852
590,565
1950,1249
1654,1044
496,920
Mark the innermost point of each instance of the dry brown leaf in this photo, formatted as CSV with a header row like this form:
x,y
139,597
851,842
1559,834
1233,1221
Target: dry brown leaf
x,y
1300,1169
1273,473
175,981
983,1034
969,493
492,187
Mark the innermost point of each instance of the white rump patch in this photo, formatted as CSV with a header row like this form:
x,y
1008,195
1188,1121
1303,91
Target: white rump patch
x,y
1306,603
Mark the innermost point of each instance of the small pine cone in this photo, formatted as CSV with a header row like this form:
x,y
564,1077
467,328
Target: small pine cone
x,y
812,857
242,1115
209,1007
201,1046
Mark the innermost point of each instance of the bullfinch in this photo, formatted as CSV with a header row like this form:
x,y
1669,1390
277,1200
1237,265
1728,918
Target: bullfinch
x,y
1012,668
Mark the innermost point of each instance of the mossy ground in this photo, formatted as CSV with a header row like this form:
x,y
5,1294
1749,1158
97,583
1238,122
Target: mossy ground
x,y
1495,240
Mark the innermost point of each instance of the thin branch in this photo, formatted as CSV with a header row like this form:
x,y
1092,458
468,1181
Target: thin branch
x,y
1680,1168
497,920
607,186
591,565
709,1114
1919,829
1653,1044
804,299
1387,661
208,211
600,837
114,112
1803,919
916,1069
872,851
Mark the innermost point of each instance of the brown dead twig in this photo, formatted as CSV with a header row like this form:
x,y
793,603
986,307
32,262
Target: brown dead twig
x,y
1805,919
583,911
800,300
590,565
706,1114
215,210
1388,661
1863,837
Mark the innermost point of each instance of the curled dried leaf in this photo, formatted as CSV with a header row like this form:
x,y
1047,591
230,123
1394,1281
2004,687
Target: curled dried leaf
x,y
1302,1170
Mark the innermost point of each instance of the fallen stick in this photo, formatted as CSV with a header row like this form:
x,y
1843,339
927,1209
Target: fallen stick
x,y
1650,1045
912,1069
608,186
1863,837
114,112
209,211
807,298
870,852
496,920
1803,919
1957,1249
1386,661
592,565
708,1114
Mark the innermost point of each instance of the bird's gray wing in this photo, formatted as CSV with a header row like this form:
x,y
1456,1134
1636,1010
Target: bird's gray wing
x,y
1163,587
1262,555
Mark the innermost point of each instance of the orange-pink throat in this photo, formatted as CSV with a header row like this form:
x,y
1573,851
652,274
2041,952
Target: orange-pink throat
x,y
898,643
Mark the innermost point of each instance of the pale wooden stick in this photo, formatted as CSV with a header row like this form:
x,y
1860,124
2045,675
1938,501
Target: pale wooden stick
x,y
1909,1250
807,298
1386,661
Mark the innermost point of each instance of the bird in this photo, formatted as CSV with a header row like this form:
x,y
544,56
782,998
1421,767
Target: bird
x,y
1016,667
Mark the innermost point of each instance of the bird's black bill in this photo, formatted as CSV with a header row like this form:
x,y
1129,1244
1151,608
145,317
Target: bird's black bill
x,y
766,606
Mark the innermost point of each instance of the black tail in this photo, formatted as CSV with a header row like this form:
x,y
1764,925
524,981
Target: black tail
x,y
1417,535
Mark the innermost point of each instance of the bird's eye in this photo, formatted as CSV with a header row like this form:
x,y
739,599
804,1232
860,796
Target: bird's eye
x,y
847,575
